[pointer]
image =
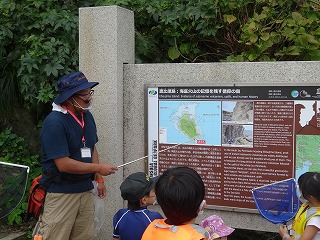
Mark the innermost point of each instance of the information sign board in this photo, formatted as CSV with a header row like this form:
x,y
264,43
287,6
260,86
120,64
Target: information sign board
x,y
236,137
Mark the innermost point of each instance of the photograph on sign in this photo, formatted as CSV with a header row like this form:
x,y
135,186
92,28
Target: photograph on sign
x,y
237,137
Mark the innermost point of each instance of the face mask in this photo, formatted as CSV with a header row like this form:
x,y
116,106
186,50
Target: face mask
x,y
201,206
301,198
85,101
155,202
87,108
298,192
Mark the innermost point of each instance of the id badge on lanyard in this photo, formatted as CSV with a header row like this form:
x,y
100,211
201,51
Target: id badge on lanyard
x,y
85,152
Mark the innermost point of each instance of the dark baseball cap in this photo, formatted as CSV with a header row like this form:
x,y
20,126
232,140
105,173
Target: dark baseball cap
x,y
136,186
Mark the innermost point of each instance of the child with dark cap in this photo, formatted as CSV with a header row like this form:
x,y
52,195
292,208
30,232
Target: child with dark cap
x,y
180,194
130,223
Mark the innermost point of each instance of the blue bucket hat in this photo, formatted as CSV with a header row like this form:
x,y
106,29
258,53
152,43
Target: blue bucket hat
x,y
70,84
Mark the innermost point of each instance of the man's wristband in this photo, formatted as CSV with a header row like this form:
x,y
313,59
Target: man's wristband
x,y
101,180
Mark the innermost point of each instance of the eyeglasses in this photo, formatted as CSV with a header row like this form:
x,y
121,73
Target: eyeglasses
x,y
87,94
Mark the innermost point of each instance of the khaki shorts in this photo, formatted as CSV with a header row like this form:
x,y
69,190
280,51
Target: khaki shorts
x,y
68,216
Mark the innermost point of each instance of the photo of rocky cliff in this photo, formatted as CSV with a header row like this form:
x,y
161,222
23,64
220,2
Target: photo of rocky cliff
x,y
237,112
237,123
237,135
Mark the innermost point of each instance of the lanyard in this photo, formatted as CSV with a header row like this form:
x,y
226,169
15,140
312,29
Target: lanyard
x,y
78,121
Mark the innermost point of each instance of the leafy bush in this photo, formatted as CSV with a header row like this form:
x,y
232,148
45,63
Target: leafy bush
x,y
39,38
13,149
225,30
38,43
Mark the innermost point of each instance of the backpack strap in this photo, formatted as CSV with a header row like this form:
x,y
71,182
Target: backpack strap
x,y
48,176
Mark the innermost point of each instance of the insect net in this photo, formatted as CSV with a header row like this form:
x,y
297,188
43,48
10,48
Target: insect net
x,y
277,202
13,182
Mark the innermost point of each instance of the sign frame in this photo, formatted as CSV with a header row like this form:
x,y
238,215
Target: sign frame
x,y
152,120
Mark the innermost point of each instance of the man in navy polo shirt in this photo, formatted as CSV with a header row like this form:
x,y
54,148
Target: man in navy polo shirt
x,y
130,223
69,154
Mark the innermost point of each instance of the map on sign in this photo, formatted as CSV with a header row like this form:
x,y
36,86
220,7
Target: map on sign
x,y
307,144
308,154
195,122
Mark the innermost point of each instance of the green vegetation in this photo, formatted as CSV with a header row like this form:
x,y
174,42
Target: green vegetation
x,y
188,126
225,30
14,149
38,43
39,38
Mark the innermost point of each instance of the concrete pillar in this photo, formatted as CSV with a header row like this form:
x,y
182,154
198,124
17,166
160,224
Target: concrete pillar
x,y
106,42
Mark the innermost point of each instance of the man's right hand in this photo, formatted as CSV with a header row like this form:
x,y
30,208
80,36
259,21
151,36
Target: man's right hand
x,y
107,169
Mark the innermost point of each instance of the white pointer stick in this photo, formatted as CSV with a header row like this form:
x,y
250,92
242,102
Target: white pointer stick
x,y
122,165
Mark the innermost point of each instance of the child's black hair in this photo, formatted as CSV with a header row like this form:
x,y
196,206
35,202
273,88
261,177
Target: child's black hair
x,y
311,186
302,179
180,191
